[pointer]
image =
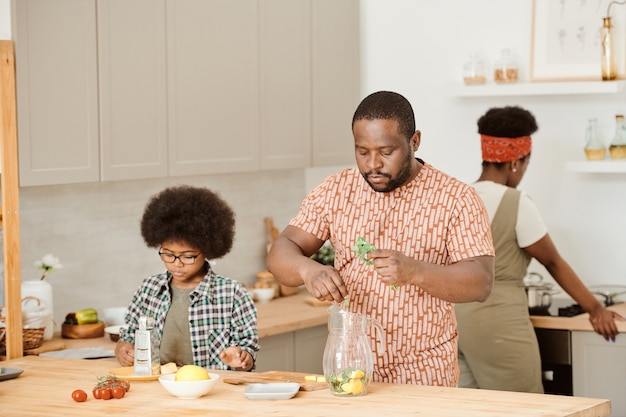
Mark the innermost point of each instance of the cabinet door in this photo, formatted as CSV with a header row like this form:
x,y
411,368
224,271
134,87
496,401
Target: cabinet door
x,y
336,79
133,108
309,349
276,353
599,369
285,83
212,66
57,94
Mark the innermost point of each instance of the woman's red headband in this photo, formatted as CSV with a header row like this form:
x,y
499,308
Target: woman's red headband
x,y
496,149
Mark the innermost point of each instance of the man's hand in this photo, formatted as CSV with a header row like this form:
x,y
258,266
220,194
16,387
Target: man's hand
x,y
324,283
393,267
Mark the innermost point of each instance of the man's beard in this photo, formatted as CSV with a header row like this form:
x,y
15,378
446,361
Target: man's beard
x,y
398,181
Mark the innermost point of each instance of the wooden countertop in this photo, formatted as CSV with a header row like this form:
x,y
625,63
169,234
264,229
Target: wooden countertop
x,y
288,314
46,385
580,322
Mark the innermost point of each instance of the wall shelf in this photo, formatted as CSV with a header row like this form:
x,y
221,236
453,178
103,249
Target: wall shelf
x,y
540,88
607,166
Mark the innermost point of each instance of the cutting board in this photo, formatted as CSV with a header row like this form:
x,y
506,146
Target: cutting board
x,y
47,346
276,376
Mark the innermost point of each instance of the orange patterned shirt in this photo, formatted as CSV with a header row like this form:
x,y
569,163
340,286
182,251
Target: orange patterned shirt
x,y
435,218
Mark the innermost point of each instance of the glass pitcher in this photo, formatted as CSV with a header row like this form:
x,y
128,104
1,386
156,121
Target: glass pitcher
x,y
348,358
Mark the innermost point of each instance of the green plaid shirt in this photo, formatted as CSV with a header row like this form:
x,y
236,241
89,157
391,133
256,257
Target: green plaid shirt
x,y
221,314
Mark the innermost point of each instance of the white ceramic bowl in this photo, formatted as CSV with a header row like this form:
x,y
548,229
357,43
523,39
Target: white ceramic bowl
x,y
113,316
263,295
188,390
113,332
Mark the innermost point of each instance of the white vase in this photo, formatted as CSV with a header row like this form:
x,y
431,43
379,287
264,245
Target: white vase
x,y
42,290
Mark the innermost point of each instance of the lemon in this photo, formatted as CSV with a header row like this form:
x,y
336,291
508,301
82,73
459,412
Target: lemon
x,y
356,374
354,387
347,387
191,373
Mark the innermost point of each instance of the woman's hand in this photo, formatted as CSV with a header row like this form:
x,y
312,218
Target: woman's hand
x,y
125,353
603,322
237,358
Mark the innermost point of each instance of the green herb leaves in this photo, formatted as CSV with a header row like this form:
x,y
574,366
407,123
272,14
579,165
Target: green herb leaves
x,y
362,248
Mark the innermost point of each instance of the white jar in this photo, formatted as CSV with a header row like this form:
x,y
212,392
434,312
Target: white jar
x,y
42,290
474,70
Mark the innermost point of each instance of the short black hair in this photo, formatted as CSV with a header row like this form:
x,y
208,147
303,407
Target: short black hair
x,y
387,105
507,122
197,216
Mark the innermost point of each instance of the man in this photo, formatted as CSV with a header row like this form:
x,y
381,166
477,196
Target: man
x,y
432,234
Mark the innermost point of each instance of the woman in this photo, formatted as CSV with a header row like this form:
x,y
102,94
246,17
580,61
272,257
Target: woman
x,y
201,318
497,344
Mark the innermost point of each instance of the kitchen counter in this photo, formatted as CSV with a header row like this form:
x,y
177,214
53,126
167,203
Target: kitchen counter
x,y
46,385
580,322
288,314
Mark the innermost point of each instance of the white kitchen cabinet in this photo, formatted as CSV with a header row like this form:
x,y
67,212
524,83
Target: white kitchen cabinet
x,y
276,353
213,98
57,91
91,90
132,86
285,84
117,90
599,369
336,80
299,351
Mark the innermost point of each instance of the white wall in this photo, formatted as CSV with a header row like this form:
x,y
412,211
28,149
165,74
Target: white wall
x,y
418,48
5,20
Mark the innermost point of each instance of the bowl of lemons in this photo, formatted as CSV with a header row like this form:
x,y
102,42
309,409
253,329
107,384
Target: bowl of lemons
x,y
189,382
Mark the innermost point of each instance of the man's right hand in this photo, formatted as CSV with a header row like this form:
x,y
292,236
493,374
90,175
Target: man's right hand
x,y
324,283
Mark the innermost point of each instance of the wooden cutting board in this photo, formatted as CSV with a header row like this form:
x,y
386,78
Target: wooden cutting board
x,y
276,376
46,346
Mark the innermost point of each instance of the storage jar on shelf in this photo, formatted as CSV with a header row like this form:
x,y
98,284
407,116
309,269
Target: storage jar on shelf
x,y
474,70
505,68
594,149
609,70
617,148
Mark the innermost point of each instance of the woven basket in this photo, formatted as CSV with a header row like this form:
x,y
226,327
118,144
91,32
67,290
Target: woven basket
x,y
31,338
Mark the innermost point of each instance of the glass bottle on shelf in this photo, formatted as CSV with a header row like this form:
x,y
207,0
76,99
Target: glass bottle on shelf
x,y
474,70
617,148
609,71
505,68
594,149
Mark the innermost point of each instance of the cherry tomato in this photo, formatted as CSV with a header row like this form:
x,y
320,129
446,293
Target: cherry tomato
x,y
117,392
96,393
125,384
79,395
105,393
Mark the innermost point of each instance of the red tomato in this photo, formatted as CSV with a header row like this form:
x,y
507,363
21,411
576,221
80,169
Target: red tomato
x,y
125,384
79,395
117,392
105,393
96,393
